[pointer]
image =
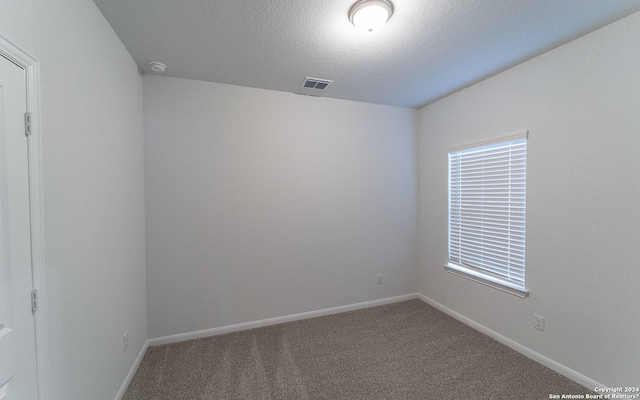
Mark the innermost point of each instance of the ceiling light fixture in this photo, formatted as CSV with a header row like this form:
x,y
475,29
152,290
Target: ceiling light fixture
x,y
370,15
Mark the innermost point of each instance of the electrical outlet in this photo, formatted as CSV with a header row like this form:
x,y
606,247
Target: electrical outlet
x,y
125,341
379,280
538,322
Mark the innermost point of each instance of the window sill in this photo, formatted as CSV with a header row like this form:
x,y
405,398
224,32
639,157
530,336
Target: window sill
x,y
485,280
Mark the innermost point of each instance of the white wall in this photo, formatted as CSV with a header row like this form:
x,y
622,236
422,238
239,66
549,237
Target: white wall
x,y
262,204
581,105
93,193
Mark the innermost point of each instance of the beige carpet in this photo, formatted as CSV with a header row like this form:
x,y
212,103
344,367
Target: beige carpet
x,y
406,350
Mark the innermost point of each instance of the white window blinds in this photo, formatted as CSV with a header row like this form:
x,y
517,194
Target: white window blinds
x,y
487,209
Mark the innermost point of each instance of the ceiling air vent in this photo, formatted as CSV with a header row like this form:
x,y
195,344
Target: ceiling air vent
x,y
315,83
314,86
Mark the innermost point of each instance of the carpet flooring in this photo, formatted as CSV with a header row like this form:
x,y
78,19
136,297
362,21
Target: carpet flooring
x,y
406,350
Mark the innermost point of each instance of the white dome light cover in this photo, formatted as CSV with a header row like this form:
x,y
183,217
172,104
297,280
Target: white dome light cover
x,y
370,15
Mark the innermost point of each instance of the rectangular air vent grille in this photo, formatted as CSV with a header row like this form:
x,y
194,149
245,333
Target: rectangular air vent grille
x,y
315,83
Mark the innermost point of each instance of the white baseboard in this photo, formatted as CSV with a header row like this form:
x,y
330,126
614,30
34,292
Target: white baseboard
x,y
277,320
132,371
539,358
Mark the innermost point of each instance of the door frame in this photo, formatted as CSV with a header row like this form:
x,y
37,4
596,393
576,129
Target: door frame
x,y
31,67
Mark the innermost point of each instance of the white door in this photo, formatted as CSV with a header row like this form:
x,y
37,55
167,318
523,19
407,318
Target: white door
x,y
18,374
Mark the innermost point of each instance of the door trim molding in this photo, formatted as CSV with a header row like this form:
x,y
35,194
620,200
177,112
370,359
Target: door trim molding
x,y
34,143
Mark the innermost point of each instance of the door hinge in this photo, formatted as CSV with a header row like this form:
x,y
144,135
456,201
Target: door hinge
x,y
27,124
34,300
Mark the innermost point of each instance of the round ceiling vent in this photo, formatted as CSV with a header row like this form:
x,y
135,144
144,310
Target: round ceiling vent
x,y
157,67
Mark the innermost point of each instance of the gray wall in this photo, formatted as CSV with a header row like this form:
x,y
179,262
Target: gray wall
x,y
581,105
92,146
262,204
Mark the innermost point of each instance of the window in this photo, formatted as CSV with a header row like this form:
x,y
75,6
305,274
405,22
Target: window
x,y
487,210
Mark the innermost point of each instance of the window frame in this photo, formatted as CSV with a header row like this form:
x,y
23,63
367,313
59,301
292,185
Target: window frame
x,y
477,273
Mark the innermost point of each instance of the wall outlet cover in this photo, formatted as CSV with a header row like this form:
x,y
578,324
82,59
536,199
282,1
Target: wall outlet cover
x,y
538,322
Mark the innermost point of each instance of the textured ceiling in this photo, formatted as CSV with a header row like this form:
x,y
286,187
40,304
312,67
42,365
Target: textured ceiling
x,y
427,50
